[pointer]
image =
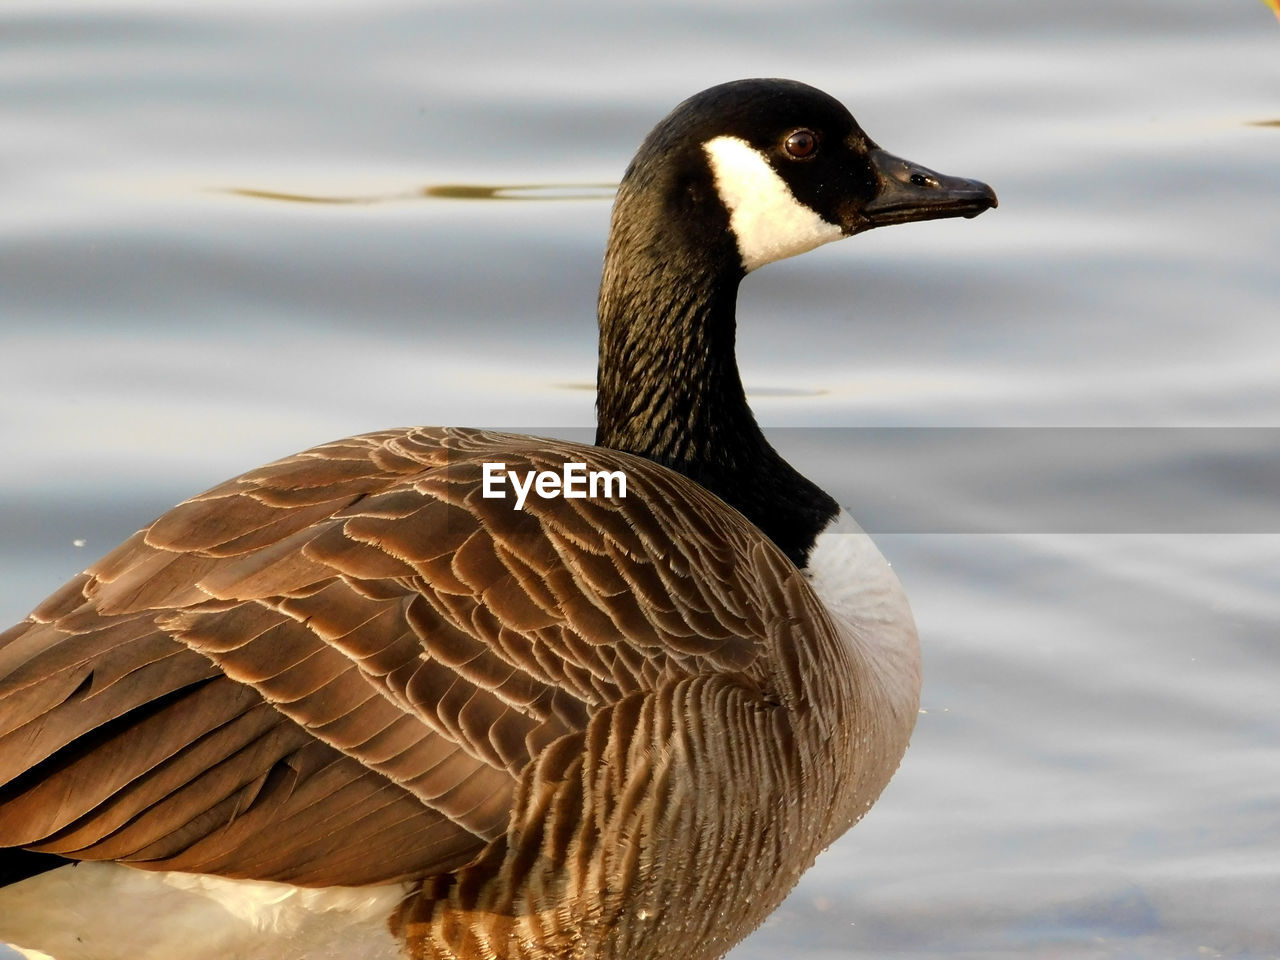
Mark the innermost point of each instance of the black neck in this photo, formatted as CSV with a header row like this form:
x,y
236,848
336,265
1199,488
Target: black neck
x,y
668,384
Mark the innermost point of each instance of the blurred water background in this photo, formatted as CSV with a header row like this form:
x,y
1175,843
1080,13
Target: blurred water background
x,y
1096,772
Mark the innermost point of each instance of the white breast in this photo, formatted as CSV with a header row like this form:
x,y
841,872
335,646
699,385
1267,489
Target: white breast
x,y
869,606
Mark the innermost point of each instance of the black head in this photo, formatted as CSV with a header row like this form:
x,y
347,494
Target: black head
x,y
787,167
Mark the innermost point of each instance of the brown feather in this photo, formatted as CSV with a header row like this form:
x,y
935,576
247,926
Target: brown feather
x,y
386,672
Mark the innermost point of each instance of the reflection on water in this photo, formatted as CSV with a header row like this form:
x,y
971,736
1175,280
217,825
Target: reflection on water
x,y
762,392
449,191
1097,774
590,386
527,191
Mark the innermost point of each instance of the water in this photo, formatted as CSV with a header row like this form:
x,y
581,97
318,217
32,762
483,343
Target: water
x,y
1097,770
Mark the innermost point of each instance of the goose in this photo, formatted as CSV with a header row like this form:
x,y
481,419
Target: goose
x,y
357,703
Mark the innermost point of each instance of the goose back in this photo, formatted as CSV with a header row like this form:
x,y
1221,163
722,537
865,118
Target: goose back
x,y
350,667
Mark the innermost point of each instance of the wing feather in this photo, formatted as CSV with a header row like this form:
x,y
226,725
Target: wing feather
x,y
341,667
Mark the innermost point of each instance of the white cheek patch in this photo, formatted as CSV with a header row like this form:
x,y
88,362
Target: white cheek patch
x,y
765,216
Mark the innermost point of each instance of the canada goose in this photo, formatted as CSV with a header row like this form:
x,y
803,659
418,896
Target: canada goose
x,y
355,704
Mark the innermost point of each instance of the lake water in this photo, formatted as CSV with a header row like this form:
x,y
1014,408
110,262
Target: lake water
x,y
1096,772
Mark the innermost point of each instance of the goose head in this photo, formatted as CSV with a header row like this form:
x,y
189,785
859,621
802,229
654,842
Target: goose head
x,y
735,177
771,169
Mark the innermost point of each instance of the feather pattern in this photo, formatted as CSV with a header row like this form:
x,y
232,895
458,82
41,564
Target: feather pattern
x,y
349,667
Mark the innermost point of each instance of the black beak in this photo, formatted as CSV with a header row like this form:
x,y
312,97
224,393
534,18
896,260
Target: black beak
x,y
909,192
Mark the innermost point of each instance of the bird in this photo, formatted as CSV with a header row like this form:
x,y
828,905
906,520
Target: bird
x,y
453,693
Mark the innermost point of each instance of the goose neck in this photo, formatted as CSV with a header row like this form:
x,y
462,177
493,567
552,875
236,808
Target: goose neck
x,y
668,382
669,390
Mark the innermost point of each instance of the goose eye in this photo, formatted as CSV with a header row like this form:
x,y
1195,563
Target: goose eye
x,y
801,145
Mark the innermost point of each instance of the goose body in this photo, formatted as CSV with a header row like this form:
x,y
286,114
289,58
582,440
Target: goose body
x,y
349,705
